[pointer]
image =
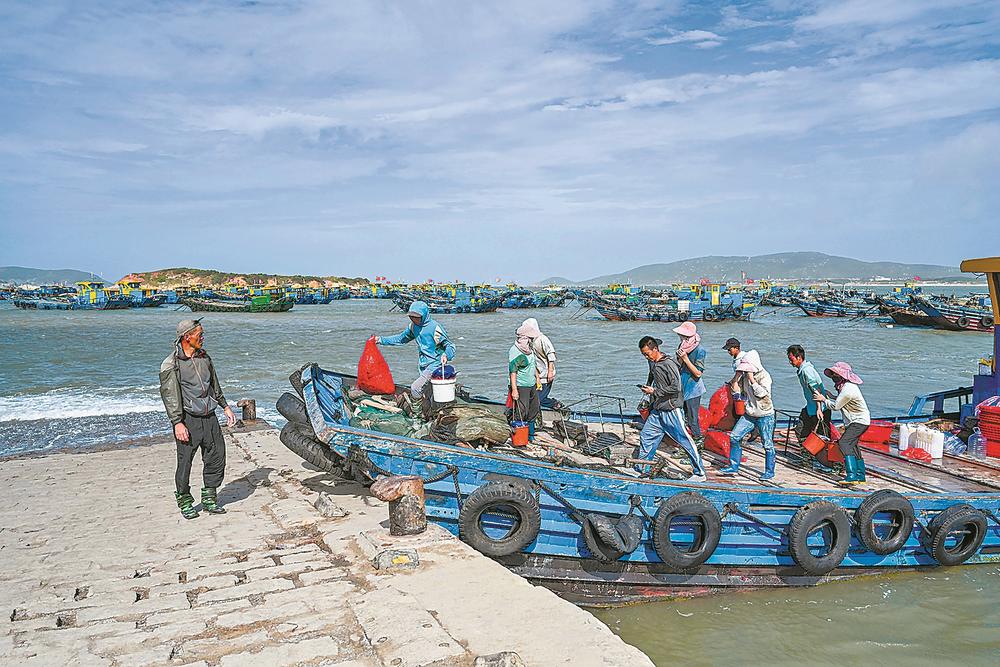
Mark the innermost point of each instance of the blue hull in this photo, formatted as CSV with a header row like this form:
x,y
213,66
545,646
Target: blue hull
x,y
753,549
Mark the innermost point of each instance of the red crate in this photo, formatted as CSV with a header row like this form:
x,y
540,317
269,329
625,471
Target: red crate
x,y
878,433
990,431
993,448
989,411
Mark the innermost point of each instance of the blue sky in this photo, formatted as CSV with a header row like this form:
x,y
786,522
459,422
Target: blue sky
x,y
478,140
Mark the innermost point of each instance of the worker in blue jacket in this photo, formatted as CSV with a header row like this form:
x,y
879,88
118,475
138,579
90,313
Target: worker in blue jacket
x,y
434,347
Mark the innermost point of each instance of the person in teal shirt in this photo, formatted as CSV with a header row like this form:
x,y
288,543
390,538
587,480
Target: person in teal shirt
x,y
523,376
810,418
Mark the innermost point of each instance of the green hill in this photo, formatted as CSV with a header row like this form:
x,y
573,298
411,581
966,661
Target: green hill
x,y
211,278
795,266
21,275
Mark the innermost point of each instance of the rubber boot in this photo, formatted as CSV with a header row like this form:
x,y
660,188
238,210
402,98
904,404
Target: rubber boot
x,y
735,454
186,504
209,501
769,457
861,471
531,431
851,466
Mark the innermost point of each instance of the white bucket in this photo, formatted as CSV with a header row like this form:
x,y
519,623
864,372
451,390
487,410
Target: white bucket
x,y
444,390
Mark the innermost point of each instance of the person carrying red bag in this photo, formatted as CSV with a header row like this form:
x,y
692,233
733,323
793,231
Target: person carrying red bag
x,y
434,348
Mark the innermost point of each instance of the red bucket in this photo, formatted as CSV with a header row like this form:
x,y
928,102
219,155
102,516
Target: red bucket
x,y
520,437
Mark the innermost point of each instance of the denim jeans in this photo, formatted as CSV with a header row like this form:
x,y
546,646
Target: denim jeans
x,y
663,422
764,426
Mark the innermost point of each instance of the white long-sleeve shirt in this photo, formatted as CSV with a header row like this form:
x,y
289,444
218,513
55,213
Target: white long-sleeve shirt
x,y
851,404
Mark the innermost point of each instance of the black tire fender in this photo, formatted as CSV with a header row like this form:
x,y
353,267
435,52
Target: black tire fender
x,y
682,316
708,316
311,450
957,518
693,504
807,519
602,539
986,322
293,409
671,317
511,498
820,310
962,321
889,502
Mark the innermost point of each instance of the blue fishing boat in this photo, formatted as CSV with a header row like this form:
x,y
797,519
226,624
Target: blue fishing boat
x,y
455,304
599,534
834,307
972,314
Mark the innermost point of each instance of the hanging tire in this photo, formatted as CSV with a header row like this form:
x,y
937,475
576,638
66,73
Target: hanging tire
x,y
707,529
962,322
510,501
609,539
671,317
293,409
819,514
986,322
602,539
963,519
708,316
683,316
820,310
311,450
889,502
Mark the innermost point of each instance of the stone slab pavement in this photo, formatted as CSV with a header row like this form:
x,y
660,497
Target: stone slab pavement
x,y
99,568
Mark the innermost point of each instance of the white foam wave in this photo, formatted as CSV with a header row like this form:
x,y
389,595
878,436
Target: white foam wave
x,y
71,404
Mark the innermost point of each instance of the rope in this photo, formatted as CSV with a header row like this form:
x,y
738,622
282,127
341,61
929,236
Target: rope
x,y
733,508
574,513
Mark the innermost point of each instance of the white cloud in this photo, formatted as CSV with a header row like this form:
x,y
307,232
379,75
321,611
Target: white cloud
x,y
697,37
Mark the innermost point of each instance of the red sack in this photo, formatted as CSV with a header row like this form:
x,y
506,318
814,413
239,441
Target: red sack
x,y
720,410
718,442
374,376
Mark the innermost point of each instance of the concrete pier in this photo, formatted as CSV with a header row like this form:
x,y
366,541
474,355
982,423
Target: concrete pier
x,y
99,568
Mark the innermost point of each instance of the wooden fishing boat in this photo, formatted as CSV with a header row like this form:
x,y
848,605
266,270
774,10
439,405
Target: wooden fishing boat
x,y
597,533
833,308
258,304
956,316
45,304
439,305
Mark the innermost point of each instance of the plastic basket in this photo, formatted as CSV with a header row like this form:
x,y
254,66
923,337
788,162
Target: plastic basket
x,y
878,433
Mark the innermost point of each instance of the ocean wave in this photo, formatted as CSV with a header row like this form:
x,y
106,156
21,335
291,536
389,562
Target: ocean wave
x,y
76,403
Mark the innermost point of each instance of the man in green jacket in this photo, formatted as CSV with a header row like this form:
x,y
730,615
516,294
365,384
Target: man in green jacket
x,y
191,393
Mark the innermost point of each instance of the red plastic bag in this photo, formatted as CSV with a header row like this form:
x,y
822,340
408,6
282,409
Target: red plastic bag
x,y
374,376
718,442
720,410
917,454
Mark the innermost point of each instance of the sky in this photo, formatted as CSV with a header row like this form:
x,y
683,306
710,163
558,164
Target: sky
x,y
483,140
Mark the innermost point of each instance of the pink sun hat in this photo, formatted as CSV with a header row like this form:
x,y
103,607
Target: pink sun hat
x,y
844,370
686,329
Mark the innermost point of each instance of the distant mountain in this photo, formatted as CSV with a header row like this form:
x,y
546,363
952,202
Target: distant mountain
x,y
212,278
21,275
795,266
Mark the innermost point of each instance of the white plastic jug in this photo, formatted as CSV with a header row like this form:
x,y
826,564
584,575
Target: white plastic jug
x,y
904,437
936,444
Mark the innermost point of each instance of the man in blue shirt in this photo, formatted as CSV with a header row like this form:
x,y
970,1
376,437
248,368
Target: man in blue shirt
x,y
810,419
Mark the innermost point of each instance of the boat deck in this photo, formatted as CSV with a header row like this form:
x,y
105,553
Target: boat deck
x,y
886,469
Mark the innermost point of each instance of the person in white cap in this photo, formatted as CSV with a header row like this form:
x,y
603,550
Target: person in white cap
x,y
691,360
545,359
191,393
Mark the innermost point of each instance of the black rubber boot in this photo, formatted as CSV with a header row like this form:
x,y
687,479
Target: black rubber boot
x,y
209,501
186,504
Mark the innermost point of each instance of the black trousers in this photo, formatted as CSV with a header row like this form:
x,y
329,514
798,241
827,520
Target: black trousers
x,y
206,434
691,407
807,423
527,406
849,439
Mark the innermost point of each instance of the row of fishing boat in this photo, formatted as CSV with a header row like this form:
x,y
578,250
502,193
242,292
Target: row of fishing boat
x,y
904,306
87,295
707,302
569,512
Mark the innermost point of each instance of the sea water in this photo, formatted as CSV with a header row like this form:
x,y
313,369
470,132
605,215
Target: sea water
x,y
76,379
